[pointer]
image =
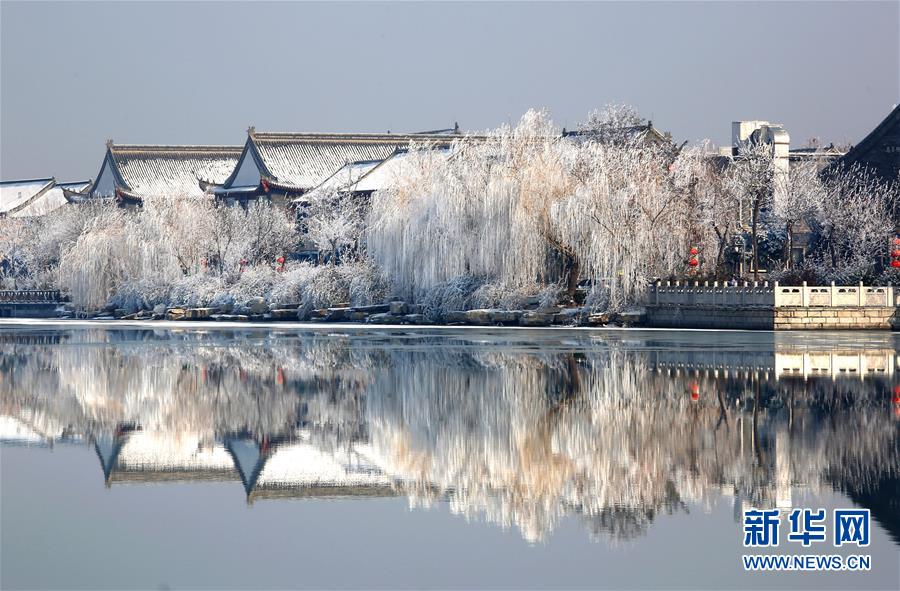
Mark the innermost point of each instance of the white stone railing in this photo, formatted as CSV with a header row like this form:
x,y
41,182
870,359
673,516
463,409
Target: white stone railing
x,y
693,293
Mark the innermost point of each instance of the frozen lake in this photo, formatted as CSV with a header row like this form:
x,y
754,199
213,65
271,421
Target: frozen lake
x,y
181,456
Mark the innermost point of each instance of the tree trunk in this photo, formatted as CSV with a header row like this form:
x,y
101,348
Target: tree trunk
x,y
573,272
720,255
832,252
755,238
787,254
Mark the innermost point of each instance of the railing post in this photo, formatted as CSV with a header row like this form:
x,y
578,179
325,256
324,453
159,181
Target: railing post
x,y
775,293
804,295
860,296
831,293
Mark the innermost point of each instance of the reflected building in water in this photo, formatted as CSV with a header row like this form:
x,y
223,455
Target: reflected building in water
x,y
612,428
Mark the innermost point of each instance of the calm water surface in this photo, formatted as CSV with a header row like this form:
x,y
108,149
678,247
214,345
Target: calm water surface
x,y
164,457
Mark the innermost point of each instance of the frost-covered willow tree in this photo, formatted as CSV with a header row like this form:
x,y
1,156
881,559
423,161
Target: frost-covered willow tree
x,y
476,213
526,207
625,216
31,248
140,255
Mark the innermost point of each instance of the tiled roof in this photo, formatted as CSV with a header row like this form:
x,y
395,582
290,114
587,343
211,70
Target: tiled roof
x,y
300,465
347,175
880,150
302,161
393,168
634,133
172,170
17,194
49,200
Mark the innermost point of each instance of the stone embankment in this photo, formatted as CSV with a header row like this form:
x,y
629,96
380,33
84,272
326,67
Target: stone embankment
x,y
396,312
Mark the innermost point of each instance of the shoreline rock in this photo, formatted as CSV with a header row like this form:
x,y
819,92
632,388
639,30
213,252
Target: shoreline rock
x,y
394,312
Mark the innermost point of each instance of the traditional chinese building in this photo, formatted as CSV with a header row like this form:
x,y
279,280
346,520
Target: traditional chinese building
x,y
644,134
138,455
391,169
130,173
284,166
880,150
34,197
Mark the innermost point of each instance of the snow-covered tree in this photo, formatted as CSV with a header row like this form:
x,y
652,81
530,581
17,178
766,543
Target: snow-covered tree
x,y
801,194
267,232
853,223
752,177
333,221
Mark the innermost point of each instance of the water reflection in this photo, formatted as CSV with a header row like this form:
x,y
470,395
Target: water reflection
x,y
517,428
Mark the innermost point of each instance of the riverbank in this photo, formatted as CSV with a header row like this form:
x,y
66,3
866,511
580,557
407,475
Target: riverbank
x,y
755,307
392,314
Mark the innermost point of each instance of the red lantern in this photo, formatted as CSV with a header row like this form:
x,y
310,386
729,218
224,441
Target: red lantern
x,y
895,263
695,391
895,253
695,250
897,240
693,262
265,185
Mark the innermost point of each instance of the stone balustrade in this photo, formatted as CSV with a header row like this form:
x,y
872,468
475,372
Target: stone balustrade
x,y
16,296
766,295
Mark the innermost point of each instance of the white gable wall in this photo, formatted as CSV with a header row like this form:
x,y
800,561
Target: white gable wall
x,y
106,182
248,172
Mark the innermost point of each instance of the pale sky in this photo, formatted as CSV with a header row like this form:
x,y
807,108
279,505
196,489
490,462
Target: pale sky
x,y
74,74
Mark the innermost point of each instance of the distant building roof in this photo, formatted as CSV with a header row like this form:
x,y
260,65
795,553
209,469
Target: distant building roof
x,y
302,469
14,431
636,133
36,197
17,194
819,153
298,162
149,456
391,169
347,175
50,200
880,150
138,171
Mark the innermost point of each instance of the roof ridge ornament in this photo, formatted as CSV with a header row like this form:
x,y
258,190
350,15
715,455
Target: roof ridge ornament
x,y
251,130
109,143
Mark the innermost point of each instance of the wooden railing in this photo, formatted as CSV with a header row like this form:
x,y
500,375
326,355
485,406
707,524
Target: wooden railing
x,y
29,296
765,295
